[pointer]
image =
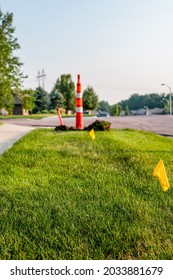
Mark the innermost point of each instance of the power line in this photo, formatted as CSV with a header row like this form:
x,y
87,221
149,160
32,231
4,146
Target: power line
x,y
41,76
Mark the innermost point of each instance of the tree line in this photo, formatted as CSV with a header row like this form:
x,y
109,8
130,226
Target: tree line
x,y
63,93
137,101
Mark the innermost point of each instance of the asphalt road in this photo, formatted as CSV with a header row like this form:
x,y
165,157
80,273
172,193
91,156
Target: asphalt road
x,y
12,130
160,124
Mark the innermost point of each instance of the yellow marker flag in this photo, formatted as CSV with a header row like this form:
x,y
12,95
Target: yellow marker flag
x,y
92,134
161,174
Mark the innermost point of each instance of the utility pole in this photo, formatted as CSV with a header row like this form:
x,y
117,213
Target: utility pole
x,y
41,76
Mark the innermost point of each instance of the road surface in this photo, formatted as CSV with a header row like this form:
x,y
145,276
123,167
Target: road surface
x,y
160,124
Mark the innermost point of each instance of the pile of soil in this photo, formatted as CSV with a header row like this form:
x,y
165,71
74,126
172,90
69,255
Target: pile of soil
x,y
97,126
64,128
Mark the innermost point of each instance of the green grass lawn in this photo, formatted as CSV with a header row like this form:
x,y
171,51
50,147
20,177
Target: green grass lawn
x,y
33,116
37,116
65,196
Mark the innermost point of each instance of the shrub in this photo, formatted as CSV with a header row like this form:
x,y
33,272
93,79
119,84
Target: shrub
x,y
52,111
44,111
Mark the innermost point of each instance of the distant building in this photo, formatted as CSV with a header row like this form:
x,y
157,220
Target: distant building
x,y
18,109
143,111
137,112
156,111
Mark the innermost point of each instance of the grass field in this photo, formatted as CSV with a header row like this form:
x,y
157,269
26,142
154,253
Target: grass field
x,y
38,116
33,116
65,196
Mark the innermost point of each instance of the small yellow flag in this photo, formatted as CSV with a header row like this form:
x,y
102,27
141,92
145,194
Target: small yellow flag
x,y
161,174
92,134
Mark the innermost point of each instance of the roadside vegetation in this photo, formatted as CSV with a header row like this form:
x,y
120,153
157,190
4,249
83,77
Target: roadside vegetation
x,y
65,196
39,116
32,116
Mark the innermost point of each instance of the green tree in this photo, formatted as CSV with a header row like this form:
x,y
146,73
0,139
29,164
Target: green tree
x,y
104,106
126,111
137,101
56,99
167,108
65,92
90,99
116,110
10,75
41,100
28,99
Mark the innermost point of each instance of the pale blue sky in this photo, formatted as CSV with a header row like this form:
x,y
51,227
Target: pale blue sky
x,y
119,47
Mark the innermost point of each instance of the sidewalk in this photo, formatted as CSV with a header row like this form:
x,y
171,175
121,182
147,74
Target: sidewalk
x,y
10,133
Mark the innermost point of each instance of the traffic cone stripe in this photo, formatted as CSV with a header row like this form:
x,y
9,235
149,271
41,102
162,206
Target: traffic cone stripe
x,y
79,110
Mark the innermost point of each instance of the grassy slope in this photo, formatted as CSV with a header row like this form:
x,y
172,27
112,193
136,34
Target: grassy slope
x,y
64,196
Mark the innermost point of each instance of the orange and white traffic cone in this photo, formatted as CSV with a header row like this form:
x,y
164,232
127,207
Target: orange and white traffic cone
x,y
79,106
